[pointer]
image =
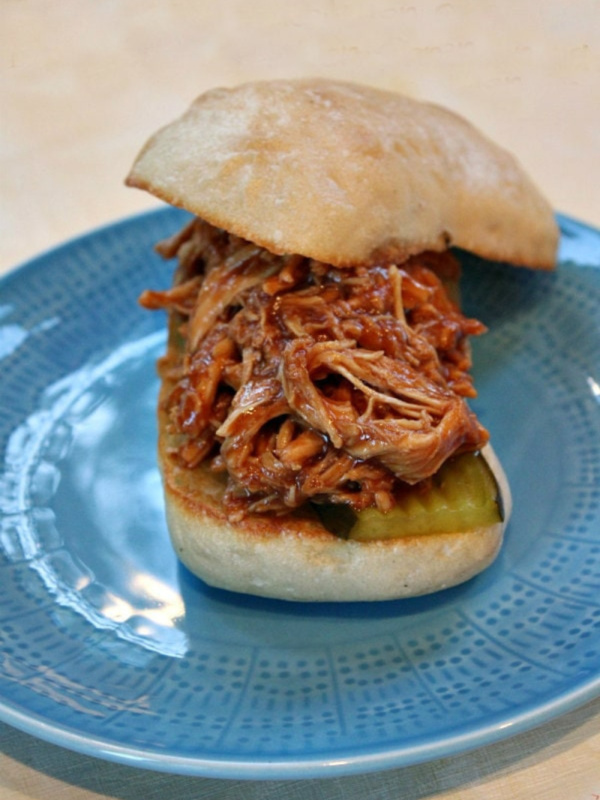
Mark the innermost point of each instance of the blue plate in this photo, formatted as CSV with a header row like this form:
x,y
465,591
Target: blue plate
x,y
108,646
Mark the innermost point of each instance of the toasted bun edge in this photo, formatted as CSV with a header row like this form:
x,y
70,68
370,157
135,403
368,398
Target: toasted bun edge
x,y
295,558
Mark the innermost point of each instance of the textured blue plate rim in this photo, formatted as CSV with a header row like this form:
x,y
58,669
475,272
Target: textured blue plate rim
x,y
312,766
37,260
344,764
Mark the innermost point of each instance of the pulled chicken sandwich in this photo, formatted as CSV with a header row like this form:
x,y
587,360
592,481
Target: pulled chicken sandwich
x,y
315,436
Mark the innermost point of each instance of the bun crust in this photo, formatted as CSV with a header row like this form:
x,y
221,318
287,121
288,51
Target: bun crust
x,y
346,174
295,558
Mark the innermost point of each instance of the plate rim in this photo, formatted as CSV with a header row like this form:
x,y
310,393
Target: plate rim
x,y
284,768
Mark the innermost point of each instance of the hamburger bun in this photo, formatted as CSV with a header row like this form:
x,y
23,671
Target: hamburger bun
x,y
347,175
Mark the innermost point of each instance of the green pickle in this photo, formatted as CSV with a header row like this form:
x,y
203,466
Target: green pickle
x,y
462,496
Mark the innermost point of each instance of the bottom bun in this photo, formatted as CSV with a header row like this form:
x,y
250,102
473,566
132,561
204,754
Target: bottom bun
x,y
294,557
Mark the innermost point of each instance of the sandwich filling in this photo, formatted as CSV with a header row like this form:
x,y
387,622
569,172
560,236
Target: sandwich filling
x,y
300,381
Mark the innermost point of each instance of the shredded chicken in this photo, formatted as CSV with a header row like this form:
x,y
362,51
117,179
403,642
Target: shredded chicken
x,y
302,381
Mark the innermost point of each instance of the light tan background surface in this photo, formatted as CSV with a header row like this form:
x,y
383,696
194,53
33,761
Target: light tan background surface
x,y
82,84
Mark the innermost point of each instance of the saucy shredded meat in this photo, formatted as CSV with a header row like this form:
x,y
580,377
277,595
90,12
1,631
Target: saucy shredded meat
x,y
302,381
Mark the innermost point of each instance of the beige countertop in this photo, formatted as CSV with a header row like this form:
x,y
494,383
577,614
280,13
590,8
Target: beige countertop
x,y
82,85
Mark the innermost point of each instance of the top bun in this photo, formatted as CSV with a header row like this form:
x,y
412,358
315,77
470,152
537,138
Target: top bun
x,y
347,175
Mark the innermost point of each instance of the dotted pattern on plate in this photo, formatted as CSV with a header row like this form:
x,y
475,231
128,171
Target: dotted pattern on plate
x,y
105,638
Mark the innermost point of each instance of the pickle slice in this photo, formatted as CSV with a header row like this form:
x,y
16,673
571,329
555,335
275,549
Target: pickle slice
x,y
463,495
